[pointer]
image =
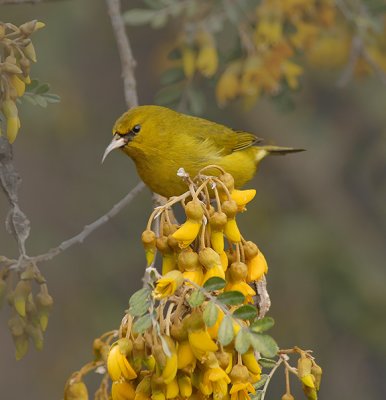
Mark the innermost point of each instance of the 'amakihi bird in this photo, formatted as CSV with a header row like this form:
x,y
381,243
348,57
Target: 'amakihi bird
x,y
161,141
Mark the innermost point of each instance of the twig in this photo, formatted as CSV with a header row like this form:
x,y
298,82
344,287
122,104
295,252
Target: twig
x,y
88,229
270,375
127,60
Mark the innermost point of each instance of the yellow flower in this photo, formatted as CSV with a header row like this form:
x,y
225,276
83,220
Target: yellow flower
x,y
291,72
207,61
188,61
169,371
215,381
201,343
269,31
118,366
168,284
250,361
257,267
185,355
228,86
231,230
195,276
122,390
242,197
185,385
188,231
241,390
217,270
172,389
242,287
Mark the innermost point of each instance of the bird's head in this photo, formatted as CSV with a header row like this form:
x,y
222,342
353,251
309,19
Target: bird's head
x,y
127,127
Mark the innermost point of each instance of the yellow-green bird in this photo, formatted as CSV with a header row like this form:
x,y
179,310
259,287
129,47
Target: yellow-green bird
x,y
161,141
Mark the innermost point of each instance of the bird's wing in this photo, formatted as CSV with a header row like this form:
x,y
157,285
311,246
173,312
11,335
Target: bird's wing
x,y
223,140
244,140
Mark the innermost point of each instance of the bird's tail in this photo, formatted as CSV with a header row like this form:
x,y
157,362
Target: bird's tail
x,y
263,151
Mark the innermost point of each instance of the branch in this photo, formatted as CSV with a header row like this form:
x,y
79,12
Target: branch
x,y
126,55
88,229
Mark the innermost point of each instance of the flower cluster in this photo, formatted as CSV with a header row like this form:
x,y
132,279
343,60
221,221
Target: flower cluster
x,y
17,54
195,331
29,310
262,48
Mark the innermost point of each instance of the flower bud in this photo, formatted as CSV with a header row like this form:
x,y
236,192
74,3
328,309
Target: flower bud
x,y
218,220
188,261
250,250
287,396
21,346
239,373
76,390
122,390
228,180
178,331
238,271
229,207
22,290
126,345
193,210
316,371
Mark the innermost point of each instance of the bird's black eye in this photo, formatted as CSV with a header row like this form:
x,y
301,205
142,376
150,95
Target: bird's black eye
x,y
136,129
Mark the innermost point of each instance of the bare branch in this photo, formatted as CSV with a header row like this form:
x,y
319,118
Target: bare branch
x,y
127,60
17,223
88,229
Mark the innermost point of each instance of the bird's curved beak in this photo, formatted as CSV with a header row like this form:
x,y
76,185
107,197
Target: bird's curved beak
x,y
117,142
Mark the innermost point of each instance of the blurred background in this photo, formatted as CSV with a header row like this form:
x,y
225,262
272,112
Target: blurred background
x,y
319,216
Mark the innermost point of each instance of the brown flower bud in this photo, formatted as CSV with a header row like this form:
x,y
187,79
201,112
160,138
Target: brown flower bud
x,y
239,373
228,180
218,220
193,210
250,250
238,271
230,208
188,261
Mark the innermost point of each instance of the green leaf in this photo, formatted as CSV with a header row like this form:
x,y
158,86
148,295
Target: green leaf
x,y
40,101
172,75
210,314
43,88
142,323
214,283
267,362
30,99
231,298
264,344
196,298
225,331
32,86
138,16
196,101
257,395
261,382
262,325
245,312
168,95
139,302
159,20
52,98
242,342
